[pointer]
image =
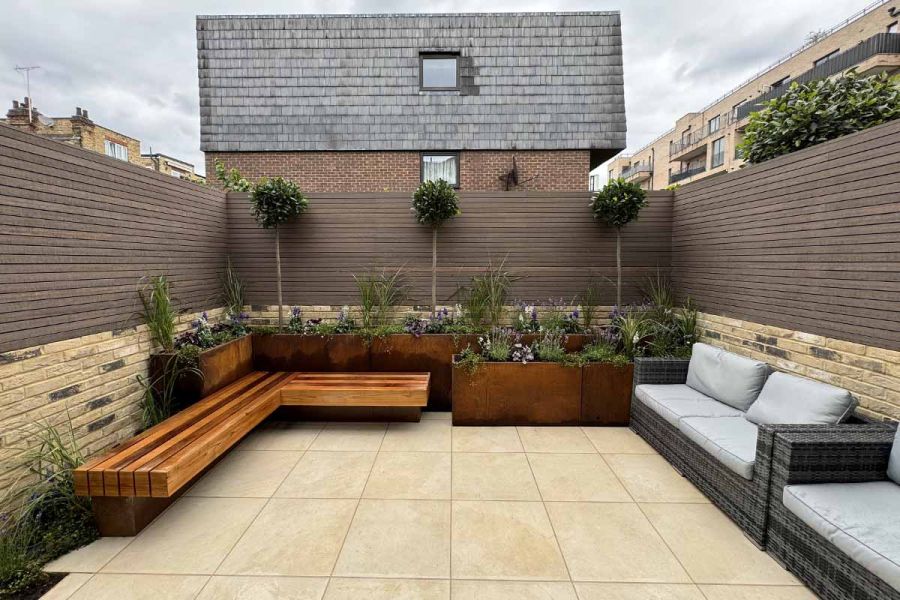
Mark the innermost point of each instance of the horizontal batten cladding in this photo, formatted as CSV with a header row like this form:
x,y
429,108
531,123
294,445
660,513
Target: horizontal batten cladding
x,y
550,240
79,231
809,241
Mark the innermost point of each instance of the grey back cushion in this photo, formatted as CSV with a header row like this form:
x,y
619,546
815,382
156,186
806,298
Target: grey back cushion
x,y
894,462
791,399
729,378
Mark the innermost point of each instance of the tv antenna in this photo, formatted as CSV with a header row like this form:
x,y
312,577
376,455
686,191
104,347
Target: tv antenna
x,y
26,71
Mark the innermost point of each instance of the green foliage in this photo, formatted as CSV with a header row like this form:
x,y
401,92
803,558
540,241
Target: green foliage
x,y
158,397
551,347
634,329
618,203
497,345
234,294
379,294
435,202
158,312
658,289
811,113
590,301
276,201
603,352
484,300
231,179
468,359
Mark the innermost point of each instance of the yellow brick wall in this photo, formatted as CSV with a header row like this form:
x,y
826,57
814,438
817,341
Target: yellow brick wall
x,y
89,380
871,374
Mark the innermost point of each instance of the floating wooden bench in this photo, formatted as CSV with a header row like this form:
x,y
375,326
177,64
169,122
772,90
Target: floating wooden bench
x,y
136,480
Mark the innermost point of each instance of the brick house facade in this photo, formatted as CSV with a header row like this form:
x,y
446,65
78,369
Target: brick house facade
x,y
375,103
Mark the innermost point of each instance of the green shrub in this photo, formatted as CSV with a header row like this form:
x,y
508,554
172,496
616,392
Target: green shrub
x,y
434,202
617,205
602,352
811,113
379,294
484,300
551,347
231,178
158,311
233,291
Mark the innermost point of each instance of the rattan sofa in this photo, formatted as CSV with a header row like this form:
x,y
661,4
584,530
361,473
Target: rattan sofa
x,y
854,456
743,497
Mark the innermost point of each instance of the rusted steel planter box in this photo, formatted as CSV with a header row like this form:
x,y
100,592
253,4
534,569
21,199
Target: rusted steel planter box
x,y
311,353
606,394
515,394
575,342
432,353
218,367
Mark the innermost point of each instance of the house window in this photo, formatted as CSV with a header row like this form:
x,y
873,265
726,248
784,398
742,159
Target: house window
x,y
718,153
115,150
892,28
714,124
439,71
444,165
826,58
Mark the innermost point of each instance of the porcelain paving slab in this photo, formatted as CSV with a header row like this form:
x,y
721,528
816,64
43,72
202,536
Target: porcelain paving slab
x,y
505,540
576,477
350,437
486,439
246,474
399,539
109,586
493,476
191,537
263,588
328,475
67,586
387,589
561,440
427,415
650,478
756,592
299,537
638,591
617,440
282,435
410,476
429,435
90,558
612,542
508,590
712,548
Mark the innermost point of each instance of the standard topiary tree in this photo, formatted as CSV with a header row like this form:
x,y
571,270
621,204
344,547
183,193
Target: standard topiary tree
x,y
617,205
434,202
275,202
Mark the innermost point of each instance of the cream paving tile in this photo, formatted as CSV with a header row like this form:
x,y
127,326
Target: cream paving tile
x,y
507,590
650,478
109,586
328,475
388,589
264,588
282,435
350,437
410,476
576,477
505,540
90,558
192,536
436,414
612,542
397,538
486,439
712,548
292,537
555,439
617,440
754,592
429,435
638,591
493,476
250,474
67,586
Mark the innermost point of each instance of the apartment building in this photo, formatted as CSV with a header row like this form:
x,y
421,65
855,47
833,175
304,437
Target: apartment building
x,y
704,143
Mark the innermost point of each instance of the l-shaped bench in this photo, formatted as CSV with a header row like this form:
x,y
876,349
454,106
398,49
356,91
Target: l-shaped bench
x,y
136,480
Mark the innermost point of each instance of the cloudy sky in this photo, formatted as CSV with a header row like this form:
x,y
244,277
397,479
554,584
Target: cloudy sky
x,y
133,63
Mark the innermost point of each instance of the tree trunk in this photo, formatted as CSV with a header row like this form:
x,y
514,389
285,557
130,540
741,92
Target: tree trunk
x,y
278,280
433,271
618,267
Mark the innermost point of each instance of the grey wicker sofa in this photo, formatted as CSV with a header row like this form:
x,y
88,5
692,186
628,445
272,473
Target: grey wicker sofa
x,y
834,514
714,418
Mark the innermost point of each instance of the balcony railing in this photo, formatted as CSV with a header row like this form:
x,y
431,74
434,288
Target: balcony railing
x,y
687,174
880,43
636,170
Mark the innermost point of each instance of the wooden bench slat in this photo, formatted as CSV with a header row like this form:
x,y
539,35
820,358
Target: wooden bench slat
x,y
357,389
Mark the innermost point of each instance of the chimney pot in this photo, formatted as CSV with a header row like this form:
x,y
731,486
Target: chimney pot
x,y
84,113
77,111
15,104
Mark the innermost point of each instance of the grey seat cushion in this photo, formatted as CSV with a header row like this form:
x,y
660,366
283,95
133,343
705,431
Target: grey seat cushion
x,y
726,377
894,462
731,440
672,402
860,519
791,399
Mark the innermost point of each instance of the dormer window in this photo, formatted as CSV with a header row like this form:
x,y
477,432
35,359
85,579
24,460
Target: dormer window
x,y
438,71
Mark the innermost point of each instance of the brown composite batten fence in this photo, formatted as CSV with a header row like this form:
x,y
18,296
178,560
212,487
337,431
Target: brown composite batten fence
x,y
549,241
809,241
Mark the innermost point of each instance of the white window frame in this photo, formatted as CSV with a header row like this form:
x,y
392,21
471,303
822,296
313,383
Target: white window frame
x,y
714,154
115,150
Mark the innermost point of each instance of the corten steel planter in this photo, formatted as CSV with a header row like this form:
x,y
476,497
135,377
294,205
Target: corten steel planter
x,y
218,367
575,342
311,353
606,394
432,353
508,393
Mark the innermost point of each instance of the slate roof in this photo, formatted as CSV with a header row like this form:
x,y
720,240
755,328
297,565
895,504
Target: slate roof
x,y
351,82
